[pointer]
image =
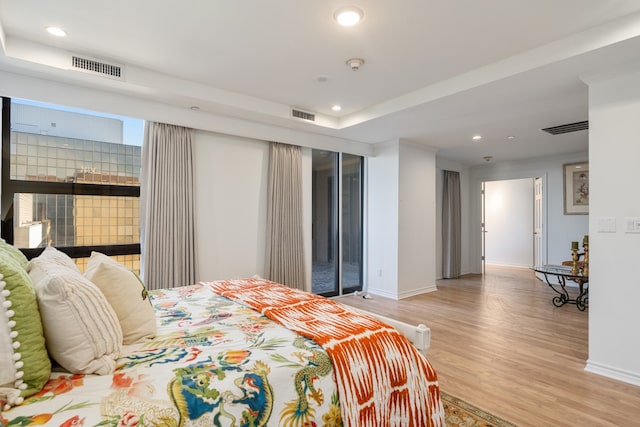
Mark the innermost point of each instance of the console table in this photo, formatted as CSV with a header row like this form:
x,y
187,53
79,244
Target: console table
x,y
556,277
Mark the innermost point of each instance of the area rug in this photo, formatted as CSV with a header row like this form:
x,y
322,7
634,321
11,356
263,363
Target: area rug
x,y
458,413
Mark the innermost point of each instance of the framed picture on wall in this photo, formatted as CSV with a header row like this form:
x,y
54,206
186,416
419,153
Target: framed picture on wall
x,y
576,188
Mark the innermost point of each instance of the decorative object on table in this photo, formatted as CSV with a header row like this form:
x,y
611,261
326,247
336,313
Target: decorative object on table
x,y
585,246
576,188
574,257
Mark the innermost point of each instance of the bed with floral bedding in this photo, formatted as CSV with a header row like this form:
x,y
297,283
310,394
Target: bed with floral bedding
x,y
244,353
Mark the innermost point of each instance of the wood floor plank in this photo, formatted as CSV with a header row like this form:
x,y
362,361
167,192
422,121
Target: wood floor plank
x,y
499,343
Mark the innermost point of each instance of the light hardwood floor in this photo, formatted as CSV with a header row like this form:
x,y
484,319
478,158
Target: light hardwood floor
x,y
498,342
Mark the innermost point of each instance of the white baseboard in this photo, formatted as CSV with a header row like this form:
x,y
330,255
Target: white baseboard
x,y
497,264
419,291
402,295
614,373
382,293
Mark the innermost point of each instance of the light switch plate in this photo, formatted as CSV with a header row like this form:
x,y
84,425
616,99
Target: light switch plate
x,y
632,224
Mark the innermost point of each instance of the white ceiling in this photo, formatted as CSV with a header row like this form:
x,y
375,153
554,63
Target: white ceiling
x,y
436,72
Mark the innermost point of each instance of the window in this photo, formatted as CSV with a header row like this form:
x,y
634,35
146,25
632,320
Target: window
x,y
337,212
70,179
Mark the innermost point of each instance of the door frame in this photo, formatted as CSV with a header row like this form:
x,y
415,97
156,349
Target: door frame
x,y
543,218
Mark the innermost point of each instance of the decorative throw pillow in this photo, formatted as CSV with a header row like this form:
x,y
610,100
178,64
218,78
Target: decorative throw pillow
x,y
81,329
38,267
13,252
9,390
24,363
52,256
127,295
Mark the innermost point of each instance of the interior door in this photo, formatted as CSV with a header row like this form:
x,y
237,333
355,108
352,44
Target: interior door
x,y
537,222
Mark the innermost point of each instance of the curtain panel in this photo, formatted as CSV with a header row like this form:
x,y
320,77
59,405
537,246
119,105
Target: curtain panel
x,y
284,252
451,226
167,207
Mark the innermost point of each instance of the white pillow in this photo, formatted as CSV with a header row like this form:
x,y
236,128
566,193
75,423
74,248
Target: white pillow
x,y
54,256
81,329
50,256
127,295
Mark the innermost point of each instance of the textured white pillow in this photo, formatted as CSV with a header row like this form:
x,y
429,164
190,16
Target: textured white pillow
x,y
53,256
81,329
127,295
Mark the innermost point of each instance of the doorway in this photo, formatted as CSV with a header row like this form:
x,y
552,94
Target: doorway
x,y
513,222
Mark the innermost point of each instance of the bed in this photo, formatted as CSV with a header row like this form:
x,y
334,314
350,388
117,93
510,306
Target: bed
x,y
245,352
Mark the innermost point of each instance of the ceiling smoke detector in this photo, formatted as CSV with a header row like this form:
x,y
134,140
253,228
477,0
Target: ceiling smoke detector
x,y
355,63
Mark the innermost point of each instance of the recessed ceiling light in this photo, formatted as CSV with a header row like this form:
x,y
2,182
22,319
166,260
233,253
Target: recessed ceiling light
x,y
336,108
194,108
476,137
511,137
56,31
348,16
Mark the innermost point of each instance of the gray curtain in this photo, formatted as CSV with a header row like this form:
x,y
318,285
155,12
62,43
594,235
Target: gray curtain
x,y
451,226
284,252
167,207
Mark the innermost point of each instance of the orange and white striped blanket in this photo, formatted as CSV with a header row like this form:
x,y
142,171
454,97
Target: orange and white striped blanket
x,y
382,378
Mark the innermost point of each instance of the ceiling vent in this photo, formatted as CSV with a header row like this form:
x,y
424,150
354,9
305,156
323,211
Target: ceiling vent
x,y
571,127
93,66
304,115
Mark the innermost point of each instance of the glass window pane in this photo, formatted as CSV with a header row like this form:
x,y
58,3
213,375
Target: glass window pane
x,y
42,134
132,262
74,220
351,223
324,222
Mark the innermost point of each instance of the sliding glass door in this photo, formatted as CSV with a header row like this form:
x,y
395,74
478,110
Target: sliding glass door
x,y
351,225
337,210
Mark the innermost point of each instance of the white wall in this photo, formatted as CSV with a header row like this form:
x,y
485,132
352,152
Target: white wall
x,y
401,241
382,219
416,221
231,205
614,282
509,222
560,229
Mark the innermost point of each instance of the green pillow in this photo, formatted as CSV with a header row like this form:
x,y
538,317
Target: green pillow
x,y
21,316
13,252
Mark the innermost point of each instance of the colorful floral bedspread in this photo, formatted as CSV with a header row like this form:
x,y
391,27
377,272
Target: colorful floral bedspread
x,y
213,363
382,379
